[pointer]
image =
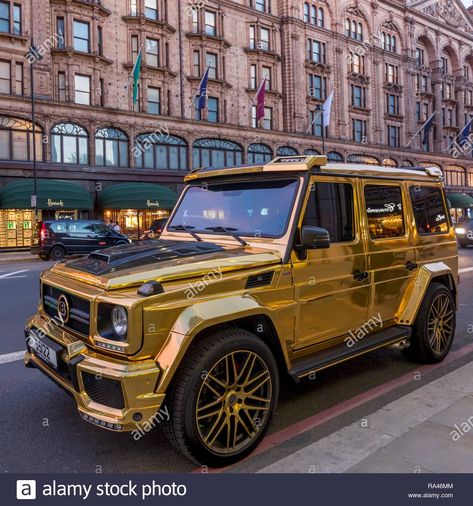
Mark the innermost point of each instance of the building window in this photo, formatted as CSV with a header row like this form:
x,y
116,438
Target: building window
x,y
314,15
267,123
100,40
61,86
101,92
154,100
8,23
389,42
5,77
393,104
317,87
420,56
315,122
394,136
264,39
356,63
259,153
69,144
151,9
391,73
316,51
16,19
216,153
133,7
358,130
81,36
263,5
152,52
197,64
19,78
286,151
263,43
134,48
358,96
111,148
5,17
253,77
16,140
82,89
160,152
212,110
211,23
195,20
466,72
455,175
354,29
61,34
211,62
444,64
266,74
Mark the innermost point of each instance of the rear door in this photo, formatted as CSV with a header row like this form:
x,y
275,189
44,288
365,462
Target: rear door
x,y
81,237
390,246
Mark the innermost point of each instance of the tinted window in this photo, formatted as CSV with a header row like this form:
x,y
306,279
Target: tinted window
x,y
429,210
330,206
77,227
59,227
384,210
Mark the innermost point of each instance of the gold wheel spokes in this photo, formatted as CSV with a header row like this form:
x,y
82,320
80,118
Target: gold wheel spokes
x,y
234,402
440,323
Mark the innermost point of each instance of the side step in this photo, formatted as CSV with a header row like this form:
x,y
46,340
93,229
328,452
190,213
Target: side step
x,y
342,352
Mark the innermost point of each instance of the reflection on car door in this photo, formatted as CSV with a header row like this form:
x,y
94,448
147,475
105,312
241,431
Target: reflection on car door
x,y
331,285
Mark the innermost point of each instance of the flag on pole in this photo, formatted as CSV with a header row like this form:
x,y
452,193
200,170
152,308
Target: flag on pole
x,y
135,74
464,134
327,109
260,100
426,127
202,93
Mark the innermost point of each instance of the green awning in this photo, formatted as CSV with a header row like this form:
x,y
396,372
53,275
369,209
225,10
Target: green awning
x,y
137,196
52,194
459,200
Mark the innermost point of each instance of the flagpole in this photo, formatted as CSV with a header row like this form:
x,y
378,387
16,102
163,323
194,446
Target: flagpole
x,y
420,129
458,135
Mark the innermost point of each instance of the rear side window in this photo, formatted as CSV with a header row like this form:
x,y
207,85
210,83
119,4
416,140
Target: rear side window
x,y
384,210
330,206
59,227
429,210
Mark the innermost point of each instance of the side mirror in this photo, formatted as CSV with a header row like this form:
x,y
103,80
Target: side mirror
x,y
315,238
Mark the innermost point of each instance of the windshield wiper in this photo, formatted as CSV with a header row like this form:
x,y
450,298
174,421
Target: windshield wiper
x,y
229,231
187,229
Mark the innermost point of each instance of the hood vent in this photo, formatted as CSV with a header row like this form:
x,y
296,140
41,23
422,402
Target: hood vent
x,y
259,280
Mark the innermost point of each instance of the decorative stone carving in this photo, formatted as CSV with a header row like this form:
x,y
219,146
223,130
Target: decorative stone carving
x,y
447,11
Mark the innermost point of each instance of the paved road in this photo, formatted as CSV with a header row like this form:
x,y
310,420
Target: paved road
x,y
40,429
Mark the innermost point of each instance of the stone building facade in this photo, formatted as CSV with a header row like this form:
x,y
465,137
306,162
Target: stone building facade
x,y
391,64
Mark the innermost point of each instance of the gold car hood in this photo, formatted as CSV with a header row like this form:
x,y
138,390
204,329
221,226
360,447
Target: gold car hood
x,y
133,265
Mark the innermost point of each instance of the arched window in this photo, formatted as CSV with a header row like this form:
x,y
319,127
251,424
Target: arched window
x,y
111,148
306,13
259,153
389,162
354,29
286,151
309,152
69,144
161,152
355,158
216,153
455,175
407,163
321,17
389,42
333,156
16,139
313,15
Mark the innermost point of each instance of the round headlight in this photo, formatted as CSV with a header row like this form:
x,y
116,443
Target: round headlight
x,y
120,320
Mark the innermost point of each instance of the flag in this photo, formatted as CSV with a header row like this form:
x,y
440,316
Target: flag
x,y
135,74
465,132
202,94
327,109
260,98
426,128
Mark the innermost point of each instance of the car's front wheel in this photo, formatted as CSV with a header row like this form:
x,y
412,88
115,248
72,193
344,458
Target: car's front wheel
x,y
223,398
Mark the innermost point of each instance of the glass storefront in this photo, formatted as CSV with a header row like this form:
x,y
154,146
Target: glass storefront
x,y
16,228
134,222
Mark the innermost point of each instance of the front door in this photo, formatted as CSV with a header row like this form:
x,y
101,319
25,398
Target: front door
x,y
390,248
332,287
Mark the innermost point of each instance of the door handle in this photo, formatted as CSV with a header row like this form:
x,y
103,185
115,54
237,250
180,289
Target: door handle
x,y
411,266
360,276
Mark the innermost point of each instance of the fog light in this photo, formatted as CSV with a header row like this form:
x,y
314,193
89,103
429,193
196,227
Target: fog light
x,y
137,417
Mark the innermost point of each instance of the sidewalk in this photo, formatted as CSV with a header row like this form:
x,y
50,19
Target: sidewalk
x,y
427,431
18,257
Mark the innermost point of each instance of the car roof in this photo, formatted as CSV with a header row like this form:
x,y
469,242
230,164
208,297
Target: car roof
x,y
320,164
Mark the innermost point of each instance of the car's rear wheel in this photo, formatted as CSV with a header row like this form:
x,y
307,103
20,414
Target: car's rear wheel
x,y
434,328
223,398
57,253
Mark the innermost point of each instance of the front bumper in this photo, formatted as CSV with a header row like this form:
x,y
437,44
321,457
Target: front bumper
x,y
81,370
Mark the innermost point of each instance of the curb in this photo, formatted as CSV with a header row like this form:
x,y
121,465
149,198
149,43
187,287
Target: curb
x,y
19,260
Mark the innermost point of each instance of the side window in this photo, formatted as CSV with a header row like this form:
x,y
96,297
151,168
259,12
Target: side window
x,y
384,210
78,228
429,210
59,227
330,206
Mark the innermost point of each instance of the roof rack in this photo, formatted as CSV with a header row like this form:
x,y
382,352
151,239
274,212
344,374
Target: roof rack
x,y
431,171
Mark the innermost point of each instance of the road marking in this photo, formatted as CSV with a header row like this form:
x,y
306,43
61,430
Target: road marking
x,y
343,407
12,357
9,275
466,269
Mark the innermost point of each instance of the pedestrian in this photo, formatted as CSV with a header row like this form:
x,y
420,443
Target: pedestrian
x,y
116,227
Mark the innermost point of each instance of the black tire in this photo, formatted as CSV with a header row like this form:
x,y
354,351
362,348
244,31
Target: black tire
x,y
44,257
425,347
190,387
57,253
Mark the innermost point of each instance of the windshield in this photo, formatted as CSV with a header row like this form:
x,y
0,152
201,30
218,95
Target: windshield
x,y
254,208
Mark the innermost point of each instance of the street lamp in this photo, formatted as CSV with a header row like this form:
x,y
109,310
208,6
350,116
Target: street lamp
x,y
34,57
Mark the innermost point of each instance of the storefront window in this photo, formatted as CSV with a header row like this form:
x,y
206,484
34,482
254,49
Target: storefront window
x,y
16,140
133,222
454,175
69,144
160,152
16,227
111,148
216,153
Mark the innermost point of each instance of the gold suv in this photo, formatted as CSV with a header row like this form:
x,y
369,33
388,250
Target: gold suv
x,y
284,268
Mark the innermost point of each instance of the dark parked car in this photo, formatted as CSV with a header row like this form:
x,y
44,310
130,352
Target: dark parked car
x,y
55,239
464,232
155,229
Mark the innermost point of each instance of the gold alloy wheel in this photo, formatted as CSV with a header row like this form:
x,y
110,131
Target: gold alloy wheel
x,y
234,402
440,323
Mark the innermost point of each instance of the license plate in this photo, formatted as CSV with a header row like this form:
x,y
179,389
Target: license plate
x,y
45,349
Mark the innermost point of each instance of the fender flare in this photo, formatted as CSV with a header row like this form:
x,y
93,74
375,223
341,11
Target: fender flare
x,y
199,317
414,296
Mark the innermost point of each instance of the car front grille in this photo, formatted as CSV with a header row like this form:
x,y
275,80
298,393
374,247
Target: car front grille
x,y
79,309
105,391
